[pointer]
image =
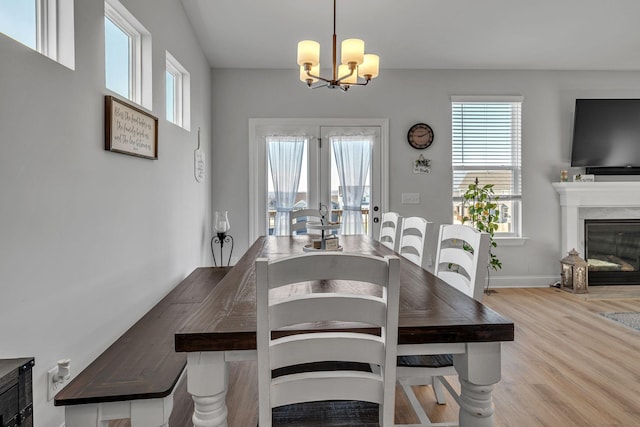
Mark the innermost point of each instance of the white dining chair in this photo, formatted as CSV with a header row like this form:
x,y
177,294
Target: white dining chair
x,y
462,258
412,238
389,226
461,262
300,218
292,367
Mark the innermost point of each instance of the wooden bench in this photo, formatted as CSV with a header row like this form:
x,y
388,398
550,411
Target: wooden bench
x,y
135,378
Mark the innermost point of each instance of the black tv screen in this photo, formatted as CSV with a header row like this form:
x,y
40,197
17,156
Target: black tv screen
x,y
606,136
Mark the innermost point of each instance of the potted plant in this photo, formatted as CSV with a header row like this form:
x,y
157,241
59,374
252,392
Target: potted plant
x,y
482,212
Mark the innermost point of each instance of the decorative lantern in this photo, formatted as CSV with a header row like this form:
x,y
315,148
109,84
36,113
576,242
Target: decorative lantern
x,y
575,273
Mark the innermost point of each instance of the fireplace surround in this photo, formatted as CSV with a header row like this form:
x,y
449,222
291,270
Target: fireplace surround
x,y
581,202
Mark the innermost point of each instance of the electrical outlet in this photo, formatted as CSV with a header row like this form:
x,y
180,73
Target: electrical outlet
x,y
52,386
410,198
57,378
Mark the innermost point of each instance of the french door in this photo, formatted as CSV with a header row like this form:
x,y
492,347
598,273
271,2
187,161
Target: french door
x,y
342,166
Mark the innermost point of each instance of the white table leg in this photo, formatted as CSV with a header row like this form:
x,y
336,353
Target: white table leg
x,y
478,370
207,380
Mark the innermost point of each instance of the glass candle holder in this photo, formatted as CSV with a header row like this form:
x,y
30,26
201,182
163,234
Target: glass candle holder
x,y
221,223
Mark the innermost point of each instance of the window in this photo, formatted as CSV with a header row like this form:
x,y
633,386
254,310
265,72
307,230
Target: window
x,y
118,59
171,89
178,89
43,25
486,135
127,55
18,20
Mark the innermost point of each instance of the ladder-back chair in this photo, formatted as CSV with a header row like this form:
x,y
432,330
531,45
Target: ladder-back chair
x,y
290,367
461,261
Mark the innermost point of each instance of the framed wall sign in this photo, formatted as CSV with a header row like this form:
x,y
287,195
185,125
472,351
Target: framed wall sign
x,y
129,130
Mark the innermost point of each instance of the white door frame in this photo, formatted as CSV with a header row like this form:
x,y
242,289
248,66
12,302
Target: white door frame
x,y
259,127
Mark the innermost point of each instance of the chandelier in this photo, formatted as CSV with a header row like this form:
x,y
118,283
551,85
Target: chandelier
x,y
356,68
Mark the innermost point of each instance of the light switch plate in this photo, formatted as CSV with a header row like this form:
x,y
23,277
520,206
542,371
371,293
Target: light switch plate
x,y
410,198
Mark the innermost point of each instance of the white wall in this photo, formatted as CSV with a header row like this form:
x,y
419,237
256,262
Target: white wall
x,y
406,97
89,239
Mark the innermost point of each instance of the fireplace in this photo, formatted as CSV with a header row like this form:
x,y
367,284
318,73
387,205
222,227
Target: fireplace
x,y
613,201
612,249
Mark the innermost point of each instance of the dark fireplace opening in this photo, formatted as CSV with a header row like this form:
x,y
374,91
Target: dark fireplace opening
x,y
612,249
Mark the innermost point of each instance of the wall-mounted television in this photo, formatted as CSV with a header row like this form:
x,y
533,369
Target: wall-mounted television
x,y
606,136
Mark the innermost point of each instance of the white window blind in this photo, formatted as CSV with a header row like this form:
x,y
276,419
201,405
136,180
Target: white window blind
x,y
486,139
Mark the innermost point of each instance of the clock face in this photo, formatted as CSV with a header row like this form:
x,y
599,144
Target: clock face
x,y
420,136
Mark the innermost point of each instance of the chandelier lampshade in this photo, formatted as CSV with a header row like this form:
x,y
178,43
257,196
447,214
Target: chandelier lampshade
x,y
370,67
308,52
352,51
356,68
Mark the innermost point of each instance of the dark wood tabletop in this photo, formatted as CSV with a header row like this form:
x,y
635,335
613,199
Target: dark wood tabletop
x,y
430,310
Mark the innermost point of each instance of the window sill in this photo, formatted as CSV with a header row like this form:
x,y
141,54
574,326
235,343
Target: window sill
x,y
510,241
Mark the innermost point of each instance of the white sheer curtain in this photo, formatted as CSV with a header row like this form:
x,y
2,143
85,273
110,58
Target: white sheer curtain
x,y
285,159
353,159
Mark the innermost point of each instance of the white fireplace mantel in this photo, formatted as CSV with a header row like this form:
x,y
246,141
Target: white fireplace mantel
x,y
578,195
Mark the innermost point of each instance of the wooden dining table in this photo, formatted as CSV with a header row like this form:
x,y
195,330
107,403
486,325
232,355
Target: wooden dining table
x,y
434,319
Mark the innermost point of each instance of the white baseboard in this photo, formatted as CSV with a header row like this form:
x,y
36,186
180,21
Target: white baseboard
x,y
522,281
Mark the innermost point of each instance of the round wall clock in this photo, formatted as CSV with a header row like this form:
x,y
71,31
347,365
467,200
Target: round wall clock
x,y
420,136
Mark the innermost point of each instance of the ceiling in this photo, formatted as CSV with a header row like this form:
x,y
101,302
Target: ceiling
x,y
425,34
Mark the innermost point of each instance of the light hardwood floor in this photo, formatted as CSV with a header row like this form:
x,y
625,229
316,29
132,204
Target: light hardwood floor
x,y
568,366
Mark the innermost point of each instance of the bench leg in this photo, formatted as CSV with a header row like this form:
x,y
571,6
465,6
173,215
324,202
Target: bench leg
x,y
83,416
478,370
152,412
142,413
207,381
